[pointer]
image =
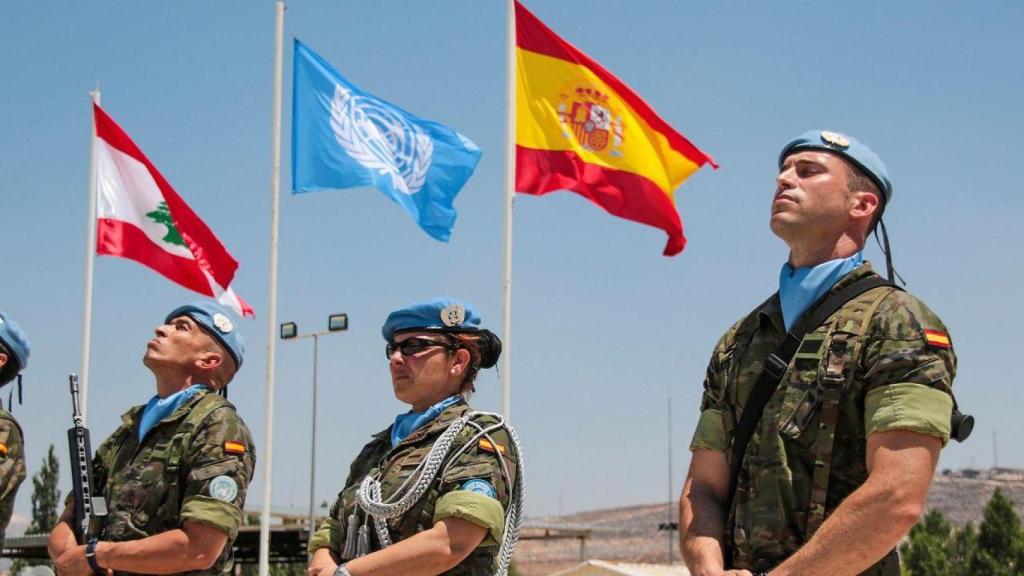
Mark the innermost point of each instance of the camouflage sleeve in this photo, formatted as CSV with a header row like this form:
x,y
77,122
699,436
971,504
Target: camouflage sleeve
x,y
907,365
474,487
329,533
711,433
12,470
219,464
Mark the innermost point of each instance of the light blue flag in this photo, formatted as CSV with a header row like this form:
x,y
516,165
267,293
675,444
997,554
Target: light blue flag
x,y
343,137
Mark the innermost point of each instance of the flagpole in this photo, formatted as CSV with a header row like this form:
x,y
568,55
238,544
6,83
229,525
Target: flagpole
x,y
90,256
510,192
275,193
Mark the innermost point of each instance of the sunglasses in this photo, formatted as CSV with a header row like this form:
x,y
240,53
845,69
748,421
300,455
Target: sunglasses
x,y
413,346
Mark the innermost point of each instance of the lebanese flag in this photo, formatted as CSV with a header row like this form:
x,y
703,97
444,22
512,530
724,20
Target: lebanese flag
x,y
140,217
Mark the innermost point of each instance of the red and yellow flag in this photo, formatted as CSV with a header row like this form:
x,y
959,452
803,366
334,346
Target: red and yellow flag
x,y
579,128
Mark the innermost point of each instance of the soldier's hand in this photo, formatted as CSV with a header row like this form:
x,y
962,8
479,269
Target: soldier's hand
x,y
738,573
321,565
73,563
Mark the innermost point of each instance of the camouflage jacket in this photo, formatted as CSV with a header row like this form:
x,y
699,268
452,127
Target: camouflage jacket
x,y
882,362
193,465
12,467
443,499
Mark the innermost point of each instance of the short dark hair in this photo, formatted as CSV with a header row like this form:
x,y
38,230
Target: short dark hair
x,y
224,373
858,181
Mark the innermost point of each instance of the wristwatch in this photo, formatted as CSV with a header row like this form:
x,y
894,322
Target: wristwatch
x,y
342,571
90,556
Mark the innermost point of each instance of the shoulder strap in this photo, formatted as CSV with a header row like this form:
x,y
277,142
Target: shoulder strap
x,y
775,368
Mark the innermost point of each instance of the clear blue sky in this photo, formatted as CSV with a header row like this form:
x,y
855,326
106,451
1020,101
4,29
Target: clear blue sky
x,y
604,326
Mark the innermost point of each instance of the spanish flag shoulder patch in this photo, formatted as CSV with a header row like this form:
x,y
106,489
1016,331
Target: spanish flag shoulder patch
x,y
3,449
487,446
233,447
937,338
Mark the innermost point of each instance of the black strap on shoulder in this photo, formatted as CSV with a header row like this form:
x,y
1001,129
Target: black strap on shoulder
x,y
775,368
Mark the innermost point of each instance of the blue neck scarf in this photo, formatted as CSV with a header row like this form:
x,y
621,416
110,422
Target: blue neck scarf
x,y
406,424
159,408
801,287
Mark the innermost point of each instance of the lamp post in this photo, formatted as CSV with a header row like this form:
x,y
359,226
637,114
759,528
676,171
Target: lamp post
x,y
290,331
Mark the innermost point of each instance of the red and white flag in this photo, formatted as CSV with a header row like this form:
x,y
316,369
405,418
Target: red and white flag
x,y
142,218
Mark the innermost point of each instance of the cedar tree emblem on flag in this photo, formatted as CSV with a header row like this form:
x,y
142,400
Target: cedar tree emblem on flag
x,y
142,218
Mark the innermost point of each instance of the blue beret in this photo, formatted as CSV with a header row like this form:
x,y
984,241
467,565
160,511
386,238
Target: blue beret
x,y
214,320
438,314
849,148
17,344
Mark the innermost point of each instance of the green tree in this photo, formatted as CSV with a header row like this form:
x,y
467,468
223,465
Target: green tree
x,y
926,551
45,497
1000,549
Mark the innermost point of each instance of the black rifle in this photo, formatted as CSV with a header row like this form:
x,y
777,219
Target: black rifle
x,y
87,505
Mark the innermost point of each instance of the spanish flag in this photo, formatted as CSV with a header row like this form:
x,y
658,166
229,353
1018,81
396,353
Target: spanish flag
x,y
579,128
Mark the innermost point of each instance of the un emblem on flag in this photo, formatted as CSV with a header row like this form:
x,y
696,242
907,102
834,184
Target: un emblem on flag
x,y
381,140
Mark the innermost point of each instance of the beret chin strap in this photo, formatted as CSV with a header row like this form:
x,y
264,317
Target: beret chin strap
x,y
891,272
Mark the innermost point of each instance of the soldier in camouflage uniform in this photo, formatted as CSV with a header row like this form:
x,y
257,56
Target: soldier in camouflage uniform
x,y
435,350
175,473
839,465
14,353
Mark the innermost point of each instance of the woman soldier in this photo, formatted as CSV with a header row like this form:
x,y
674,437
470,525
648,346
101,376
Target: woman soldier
x,y
438,492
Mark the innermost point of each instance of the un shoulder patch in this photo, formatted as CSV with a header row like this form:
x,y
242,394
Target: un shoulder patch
x,y
480,487
224,488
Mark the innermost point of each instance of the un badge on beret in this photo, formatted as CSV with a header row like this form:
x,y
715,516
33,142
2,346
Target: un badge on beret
x,y
223,323
835,139
224,488
453,315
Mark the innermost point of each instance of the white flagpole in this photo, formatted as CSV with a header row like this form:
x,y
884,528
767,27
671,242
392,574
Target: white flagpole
x,y
275,193
510,194
90,257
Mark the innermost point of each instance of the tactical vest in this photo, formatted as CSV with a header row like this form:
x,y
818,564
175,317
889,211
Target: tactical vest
x,y
161,511
805,410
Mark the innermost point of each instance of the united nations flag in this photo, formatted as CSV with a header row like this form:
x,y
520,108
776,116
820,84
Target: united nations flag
x,y
343,137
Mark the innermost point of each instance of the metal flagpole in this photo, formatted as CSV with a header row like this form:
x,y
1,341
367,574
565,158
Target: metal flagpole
x,y
90,256
312,459
671,496
275,193
510,194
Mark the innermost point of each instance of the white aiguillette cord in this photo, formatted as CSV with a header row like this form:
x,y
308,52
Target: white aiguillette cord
x,y
369,497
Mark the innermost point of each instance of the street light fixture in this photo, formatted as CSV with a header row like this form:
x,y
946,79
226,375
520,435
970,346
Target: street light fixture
x,y
290,331
337,322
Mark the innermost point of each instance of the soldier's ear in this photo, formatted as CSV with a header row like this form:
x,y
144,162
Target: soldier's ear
x,y
864,205
3,360
209,361
462,358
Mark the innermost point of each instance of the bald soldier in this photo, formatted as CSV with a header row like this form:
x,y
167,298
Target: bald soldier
x,y
175,472
835,467
14,353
